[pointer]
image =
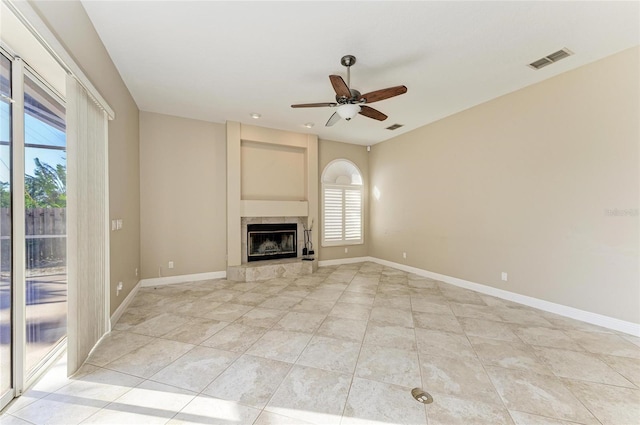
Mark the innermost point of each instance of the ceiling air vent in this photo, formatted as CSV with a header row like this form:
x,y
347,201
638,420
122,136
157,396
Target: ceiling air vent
x,y
549,59
395,126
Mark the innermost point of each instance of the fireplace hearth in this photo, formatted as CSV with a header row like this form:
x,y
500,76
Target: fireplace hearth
x,y
271,241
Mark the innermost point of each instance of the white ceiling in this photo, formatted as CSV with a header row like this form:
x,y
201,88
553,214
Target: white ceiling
x,y
219,61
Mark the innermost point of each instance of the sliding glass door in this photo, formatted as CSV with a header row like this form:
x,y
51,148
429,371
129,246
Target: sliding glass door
x,y
6,293
33,245
45,221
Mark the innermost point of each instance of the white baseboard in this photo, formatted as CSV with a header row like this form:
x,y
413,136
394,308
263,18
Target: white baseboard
x,y
123,306
344,261
562,310
168,280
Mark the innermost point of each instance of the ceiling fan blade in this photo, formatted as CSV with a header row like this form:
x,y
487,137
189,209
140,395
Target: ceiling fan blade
x,y
383,94
372,113
333,119
340,86
314,105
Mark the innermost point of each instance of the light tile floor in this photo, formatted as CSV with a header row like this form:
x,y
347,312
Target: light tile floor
x,y
343,346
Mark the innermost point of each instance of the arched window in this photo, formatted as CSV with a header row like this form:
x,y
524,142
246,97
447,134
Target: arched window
x,y
341,204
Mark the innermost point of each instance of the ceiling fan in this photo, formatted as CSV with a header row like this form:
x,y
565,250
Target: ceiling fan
x,y
349,101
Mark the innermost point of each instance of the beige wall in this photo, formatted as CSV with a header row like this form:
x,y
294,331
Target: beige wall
x,y
182,195
69,22
327,152
522,184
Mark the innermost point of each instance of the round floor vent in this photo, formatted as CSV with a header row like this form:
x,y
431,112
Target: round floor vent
x,y
422,396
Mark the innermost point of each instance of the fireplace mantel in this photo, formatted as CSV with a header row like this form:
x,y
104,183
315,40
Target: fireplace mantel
x,y
274,208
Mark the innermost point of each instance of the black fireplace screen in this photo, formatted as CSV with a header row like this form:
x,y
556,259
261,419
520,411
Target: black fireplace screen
x,y
271,241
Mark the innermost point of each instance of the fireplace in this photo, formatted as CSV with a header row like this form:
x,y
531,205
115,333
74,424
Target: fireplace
x,y
271,241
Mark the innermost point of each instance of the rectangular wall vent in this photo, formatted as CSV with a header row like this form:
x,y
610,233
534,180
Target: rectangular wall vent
x,y
551,58
395,126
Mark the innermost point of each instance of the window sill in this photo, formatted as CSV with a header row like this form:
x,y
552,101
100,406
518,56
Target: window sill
x,y
338,244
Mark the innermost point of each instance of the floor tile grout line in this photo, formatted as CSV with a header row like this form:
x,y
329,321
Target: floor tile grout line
x,y
17,417
484,368
601,357
585,353
355,369
133,388
130,352
580,400
423,384
560,381
548,417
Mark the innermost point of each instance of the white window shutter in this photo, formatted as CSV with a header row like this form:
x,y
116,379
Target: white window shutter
x,y
342,215
353,215
333,214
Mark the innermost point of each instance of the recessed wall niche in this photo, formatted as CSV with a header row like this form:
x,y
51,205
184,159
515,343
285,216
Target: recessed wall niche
x,y
272,172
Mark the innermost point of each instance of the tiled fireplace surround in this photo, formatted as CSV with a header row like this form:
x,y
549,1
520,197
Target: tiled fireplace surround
x,y
270,269
271,220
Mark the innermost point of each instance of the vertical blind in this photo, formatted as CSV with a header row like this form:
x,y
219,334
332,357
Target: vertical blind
x,y
88,231
342,214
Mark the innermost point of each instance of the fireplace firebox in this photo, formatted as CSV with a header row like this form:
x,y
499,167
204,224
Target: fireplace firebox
x,y
271,241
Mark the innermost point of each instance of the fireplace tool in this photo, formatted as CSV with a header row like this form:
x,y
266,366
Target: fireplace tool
x,y
307,251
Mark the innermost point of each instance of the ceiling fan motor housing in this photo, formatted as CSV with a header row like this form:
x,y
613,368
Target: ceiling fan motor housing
x,y
355,97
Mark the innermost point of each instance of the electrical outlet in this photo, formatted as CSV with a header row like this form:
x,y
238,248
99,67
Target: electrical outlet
x,y
136,272
404,255
114,225
170,264
346,250
118,288
504,276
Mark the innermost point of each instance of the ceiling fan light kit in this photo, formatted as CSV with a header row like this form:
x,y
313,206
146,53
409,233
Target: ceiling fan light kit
x,y
348,111
349,101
